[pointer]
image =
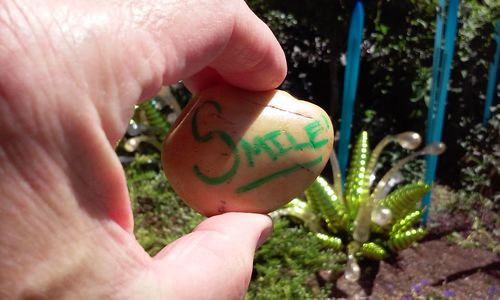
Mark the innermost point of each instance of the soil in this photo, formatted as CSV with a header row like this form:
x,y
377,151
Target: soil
x,y
434,269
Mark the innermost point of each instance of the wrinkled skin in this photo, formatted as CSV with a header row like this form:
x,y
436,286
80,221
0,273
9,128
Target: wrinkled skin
x,y
70,74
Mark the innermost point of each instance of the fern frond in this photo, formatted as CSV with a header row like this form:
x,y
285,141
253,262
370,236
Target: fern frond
x,y
373,251
321,198
331,241
357,181
295,208
406,223
404,239
404,199
155,119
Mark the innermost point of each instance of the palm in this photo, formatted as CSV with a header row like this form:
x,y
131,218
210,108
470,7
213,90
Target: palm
x,y
71,73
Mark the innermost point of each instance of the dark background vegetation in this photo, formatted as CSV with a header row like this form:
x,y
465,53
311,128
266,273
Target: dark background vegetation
x,y
396,63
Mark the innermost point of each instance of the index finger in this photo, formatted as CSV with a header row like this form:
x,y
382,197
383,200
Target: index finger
x,y
217,40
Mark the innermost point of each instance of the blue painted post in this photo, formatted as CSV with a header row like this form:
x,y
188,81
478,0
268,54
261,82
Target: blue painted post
x,y
350,83
436,66
492,77
436,117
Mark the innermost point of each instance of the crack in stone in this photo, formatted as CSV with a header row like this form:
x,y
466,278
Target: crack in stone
x,y
280,109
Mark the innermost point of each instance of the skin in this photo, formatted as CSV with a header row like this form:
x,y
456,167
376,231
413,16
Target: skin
x,y
71,72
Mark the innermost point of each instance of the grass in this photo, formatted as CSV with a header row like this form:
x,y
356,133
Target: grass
x,y
285,265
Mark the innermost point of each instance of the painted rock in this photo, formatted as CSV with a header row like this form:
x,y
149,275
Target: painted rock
x,y
235,150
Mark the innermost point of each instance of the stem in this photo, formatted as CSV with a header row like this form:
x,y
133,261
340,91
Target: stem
x,y
376,153
380,192
337,178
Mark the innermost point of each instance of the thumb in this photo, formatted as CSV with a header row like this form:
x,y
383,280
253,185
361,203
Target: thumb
x,y
215,260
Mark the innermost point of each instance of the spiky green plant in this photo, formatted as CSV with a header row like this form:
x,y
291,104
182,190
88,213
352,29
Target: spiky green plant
x,y
148,125
366,221
156,121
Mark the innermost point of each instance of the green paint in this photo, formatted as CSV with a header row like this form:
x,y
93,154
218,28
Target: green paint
x,y
312,130
194,122
272,136
249,151
295,145
269,144
260,144
225,137
256,183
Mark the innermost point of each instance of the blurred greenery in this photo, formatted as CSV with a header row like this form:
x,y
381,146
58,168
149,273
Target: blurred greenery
x,y
481,163
287,265
467,218
160,216
392,97
284,266
396,62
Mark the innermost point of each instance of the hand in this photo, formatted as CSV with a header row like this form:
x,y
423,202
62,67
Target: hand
x,y
70,74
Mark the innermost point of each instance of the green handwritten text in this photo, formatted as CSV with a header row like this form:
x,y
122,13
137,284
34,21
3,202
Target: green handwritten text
x,y
274,144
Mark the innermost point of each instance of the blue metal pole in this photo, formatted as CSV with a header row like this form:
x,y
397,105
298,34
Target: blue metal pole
x,y
436,66
350,83
492,77
442,93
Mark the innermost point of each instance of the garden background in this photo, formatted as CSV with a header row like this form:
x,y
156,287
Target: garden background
x,y
392,96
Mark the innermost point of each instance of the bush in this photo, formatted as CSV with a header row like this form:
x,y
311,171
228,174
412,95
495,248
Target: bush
x,y
481,162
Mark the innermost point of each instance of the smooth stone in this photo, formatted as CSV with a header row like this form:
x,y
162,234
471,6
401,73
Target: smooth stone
x,y
235,150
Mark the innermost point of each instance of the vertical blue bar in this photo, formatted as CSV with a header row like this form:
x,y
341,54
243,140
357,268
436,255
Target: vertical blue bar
x,y
436,66
350,83
492,77
442,93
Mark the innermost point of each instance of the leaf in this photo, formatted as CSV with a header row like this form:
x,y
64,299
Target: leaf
x,y
357,182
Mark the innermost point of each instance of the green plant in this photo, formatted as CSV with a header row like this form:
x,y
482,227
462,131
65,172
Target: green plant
x,y
481,163
473,217
159,214
365,219
286,264
152,120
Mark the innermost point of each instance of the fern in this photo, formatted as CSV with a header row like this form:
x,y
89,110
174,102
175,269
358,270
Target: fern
x,y
357,184
348,222
406,223
373,251
321,197
404,239
405,199
332,242
159,125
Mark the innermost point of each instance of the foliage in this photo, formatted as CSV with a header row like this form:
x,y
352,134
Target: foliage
x,y
157,125
160,216
151,122
285,265
481,163
396,63
478,217
364,221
